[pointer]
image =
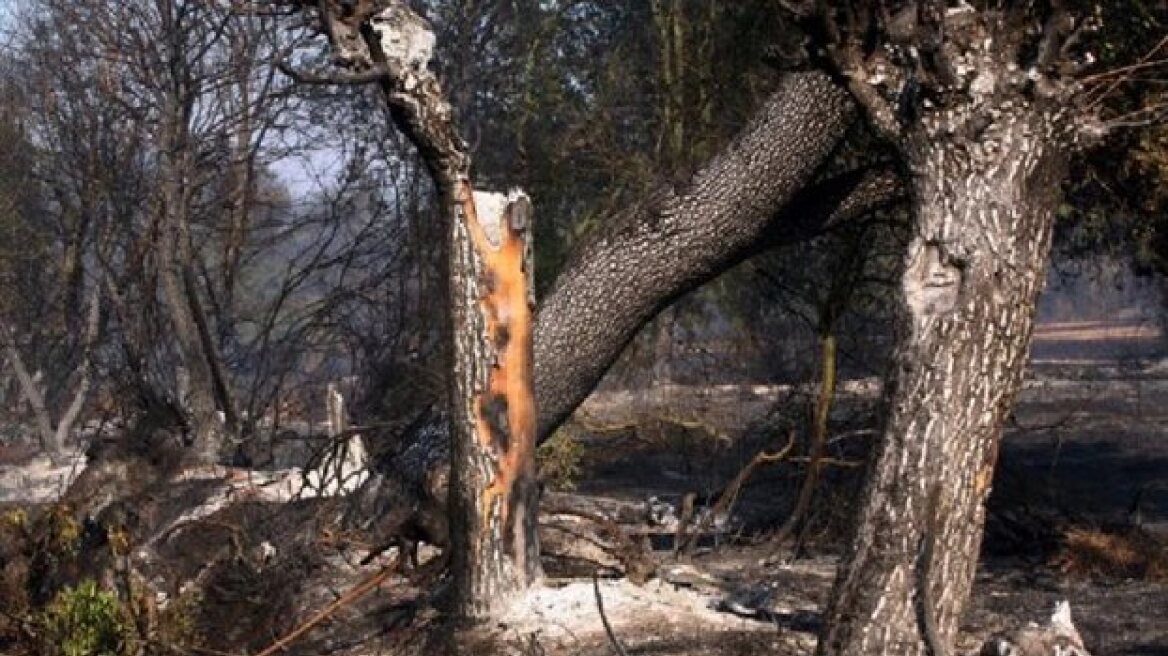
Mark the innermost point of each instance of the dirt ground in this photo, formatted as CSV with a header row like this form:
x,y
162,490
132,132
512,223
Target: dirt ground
x,y
1087,446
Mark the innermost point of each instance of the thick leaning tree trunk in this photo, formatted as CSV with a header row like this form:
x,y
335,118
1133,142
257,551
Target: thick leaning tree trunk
x,y
985,172
681,237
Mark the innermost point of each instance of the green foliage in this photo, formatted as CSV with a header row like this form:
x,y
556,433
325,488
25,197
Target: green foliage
x,y
55,534
559,459
86,621
177,623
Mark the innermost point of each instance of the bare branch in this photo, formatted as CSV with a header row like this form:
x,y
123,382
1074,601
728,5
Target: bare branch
x,y
1142,117
730,494
379,73
1123,73
28,386
92,326
843,51
1058,24
349,597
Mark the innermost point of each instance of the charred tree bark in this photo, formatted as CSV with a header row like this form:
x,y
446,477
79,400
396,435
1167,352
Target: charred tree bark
x,y
494,496
178,96
173,252
986,162
494,493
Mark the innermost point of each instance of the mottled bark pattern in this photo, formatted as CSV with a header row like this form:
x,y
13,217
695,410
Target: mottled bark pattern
x,y
678,239
494,491
985,174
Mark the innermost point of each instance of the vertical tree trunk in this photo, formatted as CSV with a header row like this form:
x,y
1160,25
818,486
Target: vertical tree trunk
x,y
984,209
986,119
494,492
173,261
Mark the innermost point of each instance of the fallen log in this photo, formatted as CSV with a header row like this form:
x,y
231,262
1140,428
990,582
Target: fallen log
x,y
581,534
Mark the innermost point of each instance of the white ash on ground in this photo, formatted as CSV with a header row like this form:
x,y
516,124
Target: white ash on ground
x,y
564,614
40,480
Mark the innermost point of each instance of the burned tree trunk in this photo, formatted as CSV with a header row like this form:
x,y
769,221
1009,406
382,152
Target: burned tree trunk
x,y
493,492
174,252
986,158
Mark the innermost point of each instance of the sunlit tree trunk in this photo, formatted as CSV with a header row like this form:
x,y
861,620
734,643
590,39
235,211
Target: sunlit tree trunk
x,y
969,289
986,158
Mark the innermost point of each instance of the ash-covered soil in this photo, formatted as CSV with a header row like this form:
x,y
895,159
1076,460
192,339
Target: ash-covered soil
x,y
1086,450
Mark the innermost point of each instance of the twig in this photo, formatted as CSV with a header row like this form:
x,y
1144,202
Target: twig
x,y
831,462
1153,115
1141,64
346,599
819,441
186,649
687,512
730,493
604,619
1122,73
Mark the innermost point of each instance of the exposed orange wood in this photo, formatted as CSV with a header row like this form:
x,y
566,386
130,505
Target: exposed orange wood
x,y
505,307
985,474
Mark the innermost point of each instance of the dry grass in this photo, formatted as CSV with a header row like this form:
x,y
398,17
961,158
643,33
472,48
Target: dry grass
x,y
1129,553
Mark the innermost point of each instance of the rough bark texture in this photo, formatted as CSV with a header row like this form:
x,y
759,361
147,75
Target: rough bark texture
x,y
494,489
494,494
970,286
642,260
986,166
678,239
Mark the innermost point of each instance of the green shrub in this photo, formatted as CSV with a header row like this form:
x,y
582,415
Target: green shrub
x,y
86,621
559,459
177,624
56,533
